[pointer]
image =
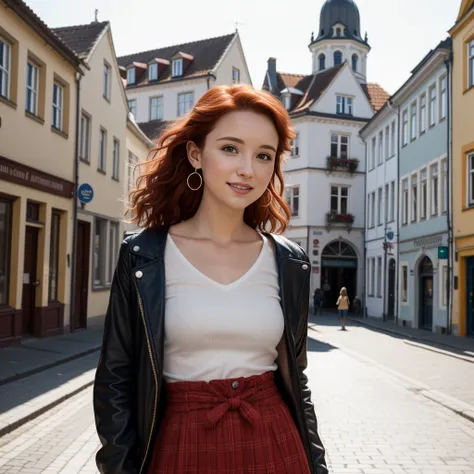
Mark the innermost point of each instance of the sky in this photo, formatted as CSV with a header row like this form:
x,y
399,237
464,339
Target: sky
x,y
400,32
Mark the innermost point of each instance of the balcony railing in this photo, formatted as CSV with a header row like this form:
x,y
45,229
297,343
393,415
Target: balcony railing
x,y
349,164
336,218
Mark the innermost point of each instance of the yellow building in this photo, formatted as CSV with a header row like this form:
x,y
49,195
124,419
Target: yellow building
x,y
37,149
463,169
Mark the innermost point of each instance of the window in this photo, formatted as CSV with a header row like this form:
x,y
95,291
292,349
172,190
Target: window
x,y
387,201
32,83
392,201
338,32
337,58
432,106
85,143
380,148
423,193
372,209
443,98
131,75
405,127
339,146
413,121
414,198
116,160
374,150
444,285
405,202
113,245
293,199
470,56
131,165
54,256
470,177
177,67
322,62
355,62
153,72
444,183
5,237
102,149
132,106
423,113
235,76
107,81
379,277
404,283
434,185
343,105
295,145
287,101
185,102
379,206
5,64
339,199
100,253
372,276
58,104
156,108
387,142
392,139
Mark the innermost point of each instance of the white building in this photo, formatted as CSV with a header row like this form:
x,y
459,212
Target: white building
x,y
325,176
381,236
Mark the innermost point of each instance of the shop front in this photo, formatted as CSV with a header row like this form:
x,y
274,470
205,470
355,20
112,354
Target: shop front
x,y
35,252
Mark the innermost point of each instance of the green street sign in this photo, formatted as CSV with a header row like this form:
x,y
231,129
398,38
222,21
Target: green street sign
x,y
443,253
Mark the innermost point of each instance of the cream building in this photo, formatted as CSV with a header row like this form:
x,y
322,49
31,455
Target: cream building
x,y
37,151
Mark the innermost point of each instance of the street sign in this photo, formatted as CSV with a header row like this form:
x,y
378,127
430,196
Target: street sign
x,y
443,253
85,193
390,235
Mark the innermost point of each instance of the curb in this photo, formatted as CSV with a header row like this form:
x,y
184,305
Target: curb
x,y
22,375
441,351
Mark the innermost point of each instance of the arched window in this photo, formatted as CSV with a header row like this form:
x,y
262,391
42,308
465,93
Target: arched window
x,y
337,58
338,32
322,62
355,62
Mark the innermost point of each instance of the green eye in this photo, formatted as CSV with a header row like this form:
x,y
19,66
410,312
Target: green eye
x,y
229,149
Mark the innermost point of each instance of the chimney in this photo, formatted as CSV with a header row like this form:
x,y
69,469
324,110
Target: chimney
x,y
272,76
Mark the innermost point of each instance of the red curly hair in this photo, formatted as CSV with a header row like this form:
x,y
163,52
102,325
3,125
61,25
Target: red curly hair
x,y
162,197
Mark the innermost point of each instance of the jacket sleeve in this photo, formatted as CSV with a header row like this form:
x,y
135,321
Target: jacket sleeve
x,y
317,448
113,385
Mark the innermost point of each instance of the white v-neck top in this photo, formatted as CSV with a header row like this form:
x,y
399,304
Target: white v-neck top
x,y
215,331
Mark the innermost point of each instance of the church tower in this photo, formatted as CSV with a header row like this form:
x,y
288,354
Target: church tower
x,y
339,39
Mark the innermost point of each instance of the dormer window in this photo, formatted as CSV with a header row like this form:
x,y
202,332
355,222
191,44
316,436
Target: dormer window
x,y
287,101
322,62
153,72
344,105
177,67
131,75
338,32
355,62
337,58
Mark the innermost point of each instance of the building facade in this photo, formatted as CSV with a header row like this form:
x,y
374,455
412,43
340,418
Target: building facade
x,y
325,173
37,152
380,136
463,170
422,104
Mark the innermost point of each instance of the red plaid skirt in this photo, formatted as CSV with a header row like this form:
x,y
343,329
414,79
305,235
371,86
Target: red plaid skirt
x,y
235,426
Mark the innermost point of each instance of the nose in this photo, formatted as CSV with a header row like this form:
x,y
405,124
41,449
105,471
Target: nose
x,y
245,168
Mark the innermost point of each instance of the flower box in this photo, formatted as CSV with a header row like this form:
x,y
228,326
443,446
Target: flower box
x,y
334,217
349,164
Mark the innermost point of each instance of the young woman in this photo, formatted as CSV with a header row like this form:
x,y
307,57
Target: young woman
x,y
201,368
343,306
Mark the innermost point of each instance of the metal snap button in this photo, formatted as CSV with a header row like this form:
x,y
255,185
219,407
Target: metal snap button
x,y
235,384
304,267
136,248
139,274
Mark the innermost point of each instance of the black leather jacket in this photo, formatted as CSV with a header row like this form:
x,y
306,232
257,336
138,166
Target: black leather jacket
x,y
128,388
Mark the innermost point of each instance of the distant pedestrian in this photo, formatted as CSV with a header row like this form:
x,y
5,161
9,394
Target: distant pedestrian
x,y
326,289
343,306
317,301
357,305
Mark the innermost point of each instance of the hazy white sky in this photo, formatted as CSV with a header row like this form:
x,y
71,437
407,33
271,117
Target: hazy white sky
x,y
400,32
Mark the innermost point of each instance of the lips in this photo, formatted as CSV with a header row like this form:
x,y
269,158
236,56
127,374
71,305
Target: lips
x,y
240,188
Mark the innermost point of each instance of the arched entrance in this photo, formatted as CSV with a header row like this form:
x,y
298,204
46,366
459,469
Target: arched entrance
x,y
391,289
425,278
338,269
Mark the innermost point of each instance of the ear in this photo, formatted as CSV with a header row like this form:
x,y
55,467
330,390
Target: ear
x,y
194,155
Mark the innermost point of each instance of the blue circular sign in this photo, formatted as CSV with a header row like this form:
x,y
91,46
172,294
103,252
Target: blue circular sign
x,y
85,193
390,235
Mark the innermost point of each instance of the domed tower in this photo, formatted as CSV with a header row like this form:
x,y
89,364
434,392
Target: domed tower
x,y
339,39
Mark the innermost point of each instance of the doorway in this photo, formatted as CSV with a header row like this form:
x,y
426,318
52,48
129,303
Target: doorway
x,y
338,269
30,283
81,289
391,289
470,296
426,294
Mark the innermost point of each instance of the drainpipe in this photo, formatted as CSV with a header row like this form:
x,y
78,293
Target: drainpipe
x,y
75,203
449,297
363,296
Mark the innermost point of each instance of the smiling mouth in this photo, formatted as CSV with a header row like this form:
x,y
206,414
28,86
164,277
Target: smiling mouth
x,y
240,188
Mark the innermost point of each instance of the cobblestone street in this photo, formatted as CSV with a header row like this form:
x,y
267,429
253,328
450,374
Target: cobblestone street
x,y
371,421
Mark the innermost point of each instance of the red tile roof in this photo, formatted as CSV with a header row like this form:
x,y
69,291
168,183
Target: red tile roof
x,y
376,95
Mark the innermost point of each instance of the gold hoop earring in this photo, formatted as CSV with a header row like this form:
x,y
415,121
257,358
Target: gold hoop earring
x,y
200,182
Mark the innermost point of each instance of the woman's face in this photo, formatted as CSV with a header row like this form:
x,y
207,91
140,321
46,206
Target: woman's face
x,y
238,158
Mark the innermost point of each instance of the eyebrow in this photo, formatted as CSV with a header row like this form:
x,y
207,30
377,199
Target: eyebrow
x,y
238,140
